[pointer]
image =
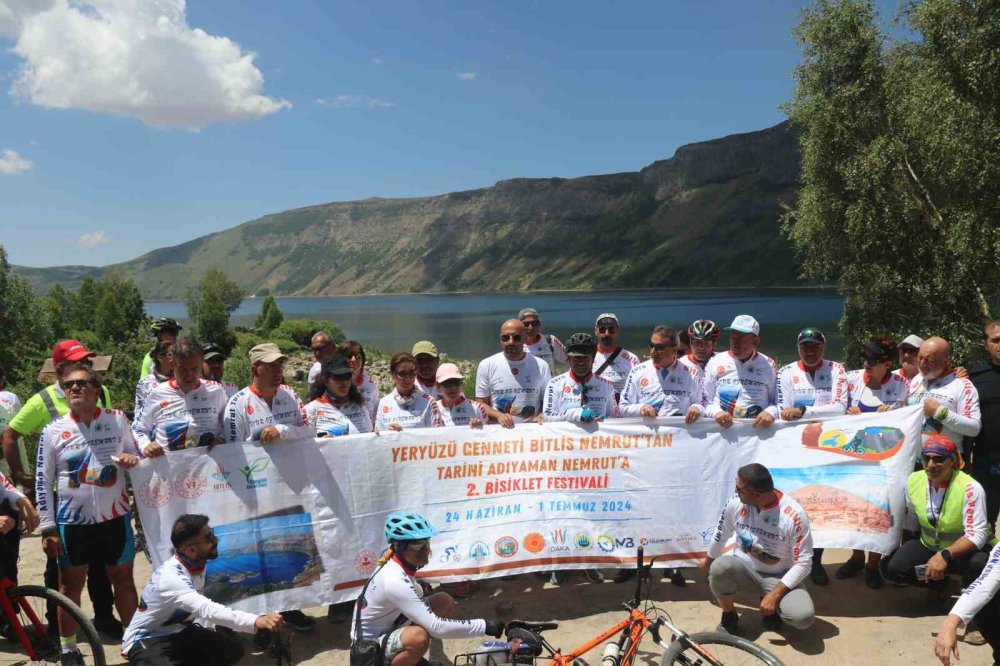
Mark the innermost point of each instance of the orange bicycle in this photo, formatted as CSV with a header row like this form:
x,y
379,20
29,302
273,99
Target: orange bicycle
x,y
527,645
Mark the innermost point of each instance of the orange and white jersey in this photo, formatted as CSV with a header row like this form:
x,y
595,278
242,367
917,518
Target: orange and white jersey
x,y
462,412
566,397
820,392
892,391
247,414
742,388
669,390
332,420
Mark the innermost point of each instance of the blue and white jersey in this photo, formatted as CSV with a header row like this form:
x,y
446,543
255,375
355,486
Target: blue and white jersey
x,y
671,391
742,388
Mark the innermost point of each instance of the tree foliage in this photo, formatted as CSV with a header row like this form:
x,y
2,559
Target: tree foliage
x,y
25,326
120,315
900,151
210,305
270,316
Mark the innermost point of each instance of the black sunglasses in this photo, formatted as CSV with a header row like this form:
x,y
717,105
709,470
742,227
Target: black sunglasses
x,y
658,346
508,337
78,383
449,383
607,329
940,460
531,322
319,348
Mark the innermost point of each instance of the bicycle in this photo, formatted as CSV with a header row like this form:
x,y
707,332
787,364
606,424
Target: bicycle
x,y
528,645
281,648
23,609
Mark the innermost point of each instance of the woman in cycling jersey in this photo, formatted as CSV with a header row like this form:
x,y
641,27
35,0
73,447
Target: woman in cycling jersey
x,y
406,406
392,609
337,406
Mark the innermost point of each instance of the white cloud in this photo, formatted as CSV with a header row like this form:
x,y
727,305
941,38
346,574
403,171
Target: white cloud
x,y
135,58
11,163
94,239
468,76
355,102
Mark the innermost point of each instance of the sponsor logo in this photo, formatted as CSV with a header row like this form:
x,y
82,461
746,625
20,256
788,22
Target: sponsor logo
x,y
221,478
249,409
534,542
190,484
583,541
479,551
795,380
558,537
687,537
644,382
385,409
650,541
721,369
606,543
365,562
155,492
65,434
450,555
256,467
706,536
515,371
567,389
505,546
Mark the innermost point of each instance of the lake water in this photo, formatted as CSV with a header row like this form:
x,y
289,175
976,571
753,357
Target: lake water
x,y
467,325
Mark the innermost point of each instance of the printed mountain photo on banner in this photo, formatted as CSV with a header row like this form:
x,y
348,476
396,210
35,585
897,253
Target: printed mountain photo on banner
x,y
843,496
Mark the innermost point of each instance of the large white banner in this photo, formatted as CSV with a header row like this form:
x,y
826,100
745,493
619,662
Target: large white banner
x,y
300,523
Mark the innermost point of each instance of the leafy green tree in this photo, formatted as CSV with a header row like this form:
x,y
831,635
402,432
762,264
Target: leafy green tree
x,y
120,313
210,305
25,329
270,316
85,305
891,206
60,304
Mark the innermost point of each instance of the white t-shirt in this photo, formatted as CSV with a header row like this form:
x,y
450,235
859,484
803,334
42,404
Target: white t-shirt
x,y
822,392
418,410
892,391
247,414
513,387
9,406
177,420
462,412
548,348
671,391
564,398
742,388
617,371
331,420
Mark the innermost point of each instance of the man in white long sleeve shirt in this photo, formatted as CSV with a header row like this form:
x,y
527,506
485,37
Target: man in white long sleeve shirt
x,y
742,382
578,395
267,410
981,600
173,622
663,385
951,404
772,553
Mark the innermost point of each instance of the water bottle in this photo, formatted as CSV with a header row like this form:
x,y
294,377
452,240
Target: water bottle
x,y
490,653
580,661
611,654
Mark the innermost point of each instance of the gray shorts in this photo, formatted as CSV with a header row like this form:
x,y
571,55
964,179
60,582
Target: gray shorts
x,y
393,645
730,576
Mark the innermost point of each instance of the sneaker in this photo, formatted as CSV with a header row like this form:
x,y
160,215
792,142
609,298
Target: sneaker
x,y
298,620
624,575
974,637
262,639
338,613
848,569
219,629
772,622
677,578
593,575
729,623
71,658
559,577
110,627
818,575
873,578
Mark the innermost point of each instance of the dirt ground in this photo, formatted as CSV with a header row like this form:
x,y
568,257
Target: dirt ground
x,y
854,625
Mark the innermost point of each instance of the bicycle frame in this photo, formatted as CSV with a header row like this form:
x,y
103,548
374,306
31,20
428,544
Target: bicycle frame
x,y
15,623
637,621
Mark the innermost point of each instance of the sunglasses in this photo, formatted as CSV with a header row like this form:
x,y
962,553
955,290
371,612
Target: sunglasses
x,y
423,544
531,322
940,460
511,337
319,348
607,329
406,374
451,383
341,378
658,346
77,383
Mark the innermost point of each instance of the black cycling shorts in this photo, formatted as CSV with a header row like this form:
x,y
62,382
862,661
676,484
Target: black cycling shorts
x,y
111,542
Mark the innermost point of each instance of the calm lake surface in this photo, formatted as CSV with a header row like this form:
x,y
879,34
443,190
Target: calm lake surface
x,y
467,326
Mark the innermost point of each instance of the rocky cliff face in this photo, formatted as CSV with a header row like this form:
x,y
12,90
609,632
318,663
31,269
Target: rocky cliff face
x,y
708,216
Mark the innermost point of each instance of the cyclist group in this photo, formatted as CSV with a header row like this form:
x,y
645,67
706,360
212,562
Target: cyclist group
x,y
181,402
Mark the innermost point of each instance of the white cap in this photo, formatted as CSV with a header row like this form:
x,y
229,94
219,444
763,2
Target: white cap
x,y
912,341
606,315
744,324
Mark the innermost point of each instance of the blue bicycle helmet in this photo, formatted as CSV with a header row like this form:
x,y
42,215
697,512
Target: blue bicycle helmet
x,y
407,527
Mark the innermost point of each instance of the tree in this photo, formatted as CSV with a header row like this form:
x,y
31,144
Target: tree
x,y
120,314
85,305
25,330
210,304
891,205
60,305
270,316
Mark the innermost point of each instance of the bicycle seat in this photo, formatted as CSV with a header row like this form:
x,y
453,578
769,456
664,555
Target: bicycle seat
x,y
535,627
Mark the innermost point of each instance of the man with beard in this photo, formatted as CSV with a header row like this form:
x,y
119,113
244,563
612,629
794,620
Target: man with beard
x,y
951,403
510,384
611,361
165,629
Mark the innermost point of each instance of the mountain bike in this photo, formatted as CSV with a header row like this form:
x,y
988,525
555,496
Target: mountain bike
x,y
23,609
528,645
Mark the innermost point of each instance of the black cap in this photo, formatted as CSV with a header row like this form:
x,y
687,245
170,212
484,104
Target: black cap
x,y
876,352
211,351
338,365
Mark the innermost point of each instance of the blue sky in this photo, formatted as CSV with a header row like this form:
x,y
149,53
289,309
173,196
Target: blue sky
x,y
120,150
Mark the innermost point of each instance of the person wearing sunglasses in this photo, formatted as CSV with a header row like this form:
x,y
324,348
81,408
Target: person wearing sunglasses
x,y
337,406
323,349
663,386
945,525
213,367
455,408
82,500
170,626
510,383
406,406
549,348
425,353
612,362
392,609
702,335
355,355
743,382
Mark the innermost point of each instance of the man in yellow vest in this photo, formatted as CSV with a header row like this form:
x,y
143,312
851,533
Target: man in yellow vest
x,y
945,529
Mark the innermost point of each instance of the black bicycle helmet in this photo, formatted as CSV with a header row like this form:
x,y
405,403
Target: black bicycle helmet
x,y
165,324
704,329
581,341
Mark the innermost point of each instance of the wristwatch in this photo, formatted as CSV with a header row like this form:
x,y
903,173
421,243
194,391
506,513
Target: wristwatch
x,y
945,554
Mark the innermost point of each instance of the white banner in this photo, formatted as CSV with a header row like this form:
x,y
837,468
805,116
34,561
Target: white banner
x,y
300,523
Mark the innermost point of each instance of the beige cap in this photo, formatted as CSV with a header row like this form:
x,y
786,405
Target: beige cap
x,y
267,352
425,347
448,371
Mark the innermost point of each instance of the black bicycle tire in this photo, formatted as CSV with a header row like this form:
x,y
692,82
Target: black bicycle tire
x,y
675,649
84,628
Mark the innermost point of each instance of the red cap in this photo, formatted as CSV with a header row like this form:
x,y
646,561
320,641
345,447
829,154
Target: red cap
x,y
70,350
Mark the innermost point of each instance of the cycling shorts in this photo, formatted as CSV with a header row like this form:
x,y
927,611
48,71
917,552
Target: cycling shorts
x,y
111,542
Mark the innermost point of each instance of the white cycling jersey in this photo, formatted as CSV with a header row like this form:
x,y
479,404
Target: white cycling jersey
x,y
513,387
172,600
959,397
143,389
548,348
892,391
690,361
417,410
617,371
247,414
461,412
330,419
670,391
564,398
10,405
393,592
820,392
76,459
976,526
176,419
980,591
230,388
742,388
774,541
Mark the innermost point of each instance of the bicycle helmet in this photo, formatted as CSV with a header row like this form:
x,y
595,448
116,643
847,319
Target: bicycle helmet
x,y
407,527
581,340
704,329
165,324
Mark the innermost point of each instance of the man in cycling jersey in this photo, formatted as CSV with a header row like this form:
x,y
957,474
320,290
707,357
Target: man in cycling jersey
x,y
17,516
612,362
392,609
323,349
426,355
511,383
742,382
701,335
214,366
546,347
908,349
980,601
163,329
951,403
771,556
173,622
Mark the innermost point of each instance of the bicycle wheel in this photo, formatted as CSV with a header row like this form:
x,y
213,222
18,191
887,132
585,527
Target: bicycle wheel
x,y
47,647
722,649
